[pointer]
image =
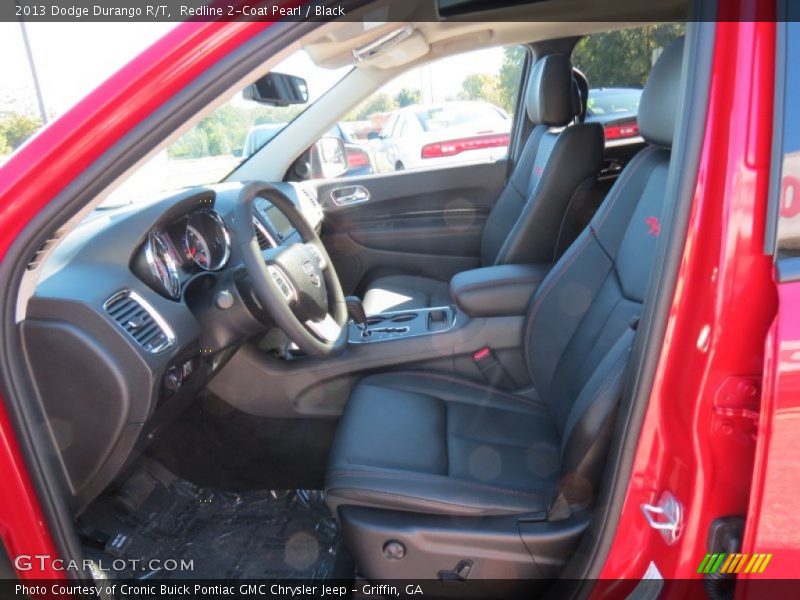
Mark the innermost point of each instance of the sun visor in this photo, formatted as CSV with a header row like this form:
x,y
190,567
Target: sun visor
x,y
404,51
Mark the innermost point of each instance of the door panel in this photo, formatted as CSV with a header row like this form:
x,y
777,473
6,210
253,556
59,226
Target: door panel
x,y
424,222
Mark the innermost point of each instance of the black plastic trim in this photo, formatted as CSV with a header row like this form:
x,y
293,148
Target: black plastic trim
x,y
521,127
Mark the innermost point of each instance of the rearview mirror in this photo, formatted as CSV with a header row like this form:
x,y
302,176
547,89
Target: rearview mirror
x,y
278,89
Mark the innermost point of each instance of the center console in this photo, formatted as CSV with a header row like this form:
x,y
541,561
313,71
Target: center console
x,y
488,312
402,324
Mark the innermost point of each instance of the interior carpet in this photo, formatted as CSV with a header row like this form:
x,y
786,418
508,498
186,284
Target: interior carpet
x,y
213,444
270,534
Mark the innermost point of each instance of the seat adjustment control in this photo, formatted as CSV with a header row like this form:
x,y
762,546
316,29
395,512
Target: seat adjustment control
x,y
394,550
460,573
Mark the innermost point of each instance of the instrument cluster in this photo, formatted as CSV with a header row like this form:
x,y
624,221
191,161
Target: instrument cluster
x,y
195,243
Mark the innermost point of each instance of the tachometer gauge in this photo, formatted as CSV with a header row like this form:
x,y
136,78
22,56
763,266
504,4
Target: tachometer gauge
x,y
161,263
206,240
197,248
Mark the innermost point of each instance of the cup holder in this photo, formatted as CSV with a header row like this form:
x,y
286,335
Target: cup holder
x,y
403,318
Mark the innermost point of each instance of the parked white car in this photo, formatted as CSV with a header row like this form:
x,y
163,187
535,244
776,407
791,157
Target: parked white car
x,y
432,135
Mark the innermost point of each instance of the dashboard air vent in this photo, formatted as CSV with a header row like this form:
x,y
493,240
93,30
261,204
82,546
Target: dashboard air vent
x,y
262,236
137,317
36,261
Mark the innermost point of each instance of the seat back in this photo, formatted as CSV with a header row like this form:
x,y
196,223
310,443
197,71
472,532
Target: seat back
x,y
525,222
585,313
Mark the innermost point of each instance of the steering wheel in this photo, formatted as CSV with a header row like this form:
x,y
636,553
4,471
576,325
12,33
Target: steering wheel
x,y
296,284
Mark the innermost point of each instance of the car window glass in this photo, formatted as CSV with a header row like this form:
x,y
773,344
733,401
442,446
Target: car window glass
x,y
457,110
788,190
226,137
616,65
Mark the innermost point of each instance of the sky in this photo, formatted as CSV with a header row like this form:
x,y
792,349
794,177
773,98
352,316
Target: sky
x,y
73,58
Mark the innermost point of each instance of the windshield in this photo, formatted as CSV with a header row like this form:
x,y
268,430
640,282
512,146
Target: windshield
x,y
224,139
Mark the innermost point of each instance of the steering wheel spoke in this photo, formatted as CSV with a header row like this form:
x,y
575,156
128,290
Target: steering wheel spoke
x,y
283,283
327,329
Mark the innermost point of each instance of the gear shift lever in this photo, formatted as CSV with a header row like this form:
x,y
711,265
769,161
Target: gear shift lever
x,y
356,311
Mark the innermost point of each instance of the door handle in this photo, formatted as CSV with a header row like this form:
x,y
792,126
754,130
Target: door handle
x,y
350,194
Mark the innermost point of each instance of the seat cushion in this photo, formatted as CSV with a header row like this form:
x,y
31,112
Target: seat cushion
x,y
432,443
405,292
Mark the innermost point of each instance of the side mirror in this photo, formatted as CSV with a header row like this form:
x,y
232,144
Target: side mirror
x,y
373,135
328,158
278,89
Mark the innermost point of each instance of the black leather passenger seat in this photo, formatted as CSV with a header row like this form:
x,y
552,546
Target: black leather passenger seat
x,y
450,467
525,224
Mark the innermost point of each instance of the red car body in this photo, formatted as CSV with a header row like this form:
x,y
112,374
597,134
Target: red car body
x,y
722,430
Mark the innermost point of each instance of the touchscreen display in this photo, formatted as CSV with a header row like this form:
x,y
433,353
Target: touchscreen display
x,y
279,222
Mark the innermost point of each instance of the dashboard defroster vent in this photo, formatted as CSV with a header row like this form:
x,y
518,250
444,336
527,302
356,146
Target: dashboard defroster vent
x,y
140,320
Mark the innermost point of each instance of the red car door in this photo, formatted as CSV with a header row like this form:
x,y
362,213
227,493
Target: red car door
x,y
771,526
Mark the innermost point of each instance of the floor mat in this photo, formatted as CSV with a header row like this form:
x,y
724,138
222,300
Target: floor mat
x,y
254,534
215,445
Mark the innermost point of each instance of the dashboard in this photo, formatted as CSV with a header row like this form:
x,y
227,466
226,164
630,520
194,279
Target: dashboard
x,y
199,241
135,311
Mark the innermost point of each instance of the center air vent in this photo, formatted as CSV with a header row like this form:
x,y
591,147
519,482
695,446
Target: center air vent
x,y
135,315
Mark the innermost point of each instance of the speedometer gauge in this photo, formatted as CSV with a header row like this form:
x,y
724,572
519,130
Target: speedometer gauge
x,y
206,240
162,265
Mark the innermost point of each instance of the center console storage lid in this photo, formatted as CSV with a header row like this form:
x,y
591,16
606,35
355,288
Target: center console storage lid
x,y
501,290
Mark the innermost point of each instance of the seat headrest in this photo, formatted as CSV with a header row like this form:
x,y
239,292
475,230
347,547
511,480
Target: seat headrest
x,y
659,103
549,96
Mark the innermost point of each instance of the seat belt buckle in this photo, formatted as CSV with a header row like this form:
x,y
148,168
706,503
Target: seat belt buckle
x,y
493,372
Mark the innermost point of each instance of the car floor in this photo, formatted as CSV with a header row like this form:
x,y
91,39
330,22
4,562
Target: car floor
x,y
213,444
197,495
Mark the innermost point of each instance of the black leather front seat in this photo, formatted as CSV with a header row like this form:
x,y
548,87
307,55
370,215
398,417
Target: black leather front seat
x,y
419,444
525,222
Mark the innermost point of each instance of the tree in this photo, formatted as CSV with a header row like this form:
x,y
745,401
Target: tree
x,y
377,103
15,128
479,86
509,77
407,97
622,58
192,144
